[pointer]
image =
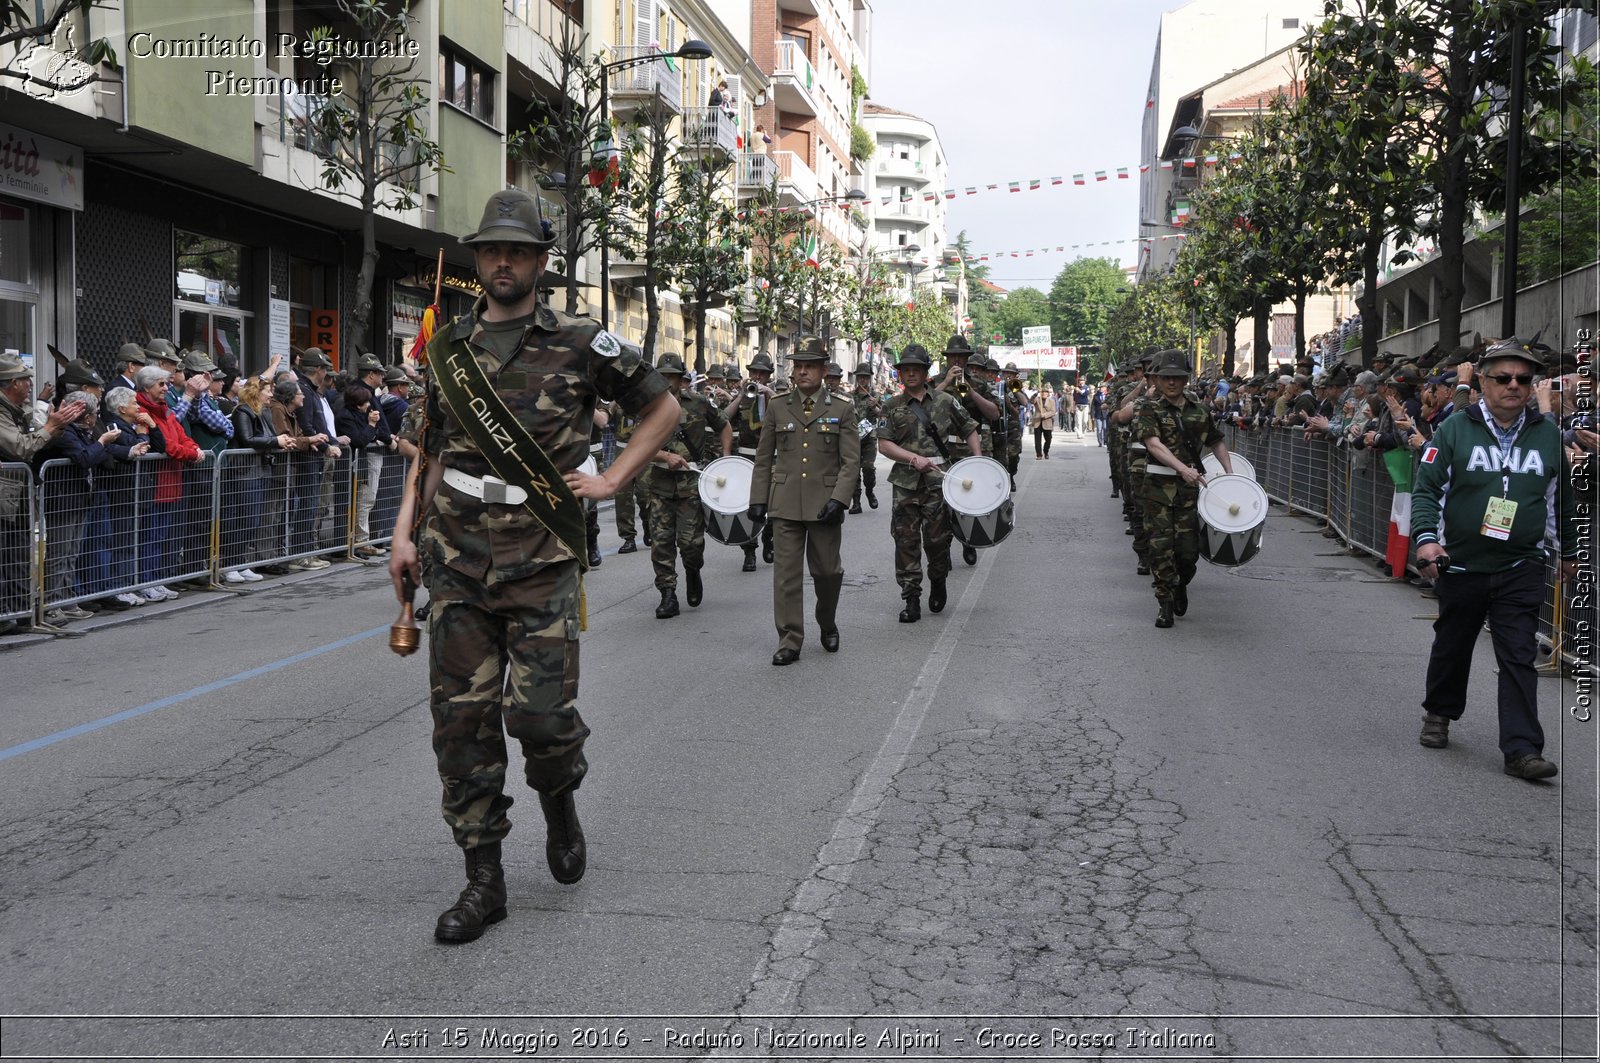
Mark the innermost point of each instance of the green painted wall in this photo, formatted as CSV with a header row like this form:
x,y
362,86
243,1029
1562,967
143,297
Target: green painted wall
x,y
477,27
473,153
169,94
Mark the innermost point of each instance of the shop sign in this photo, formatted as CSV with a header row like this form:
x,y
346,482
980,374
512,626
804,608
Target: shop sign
x,y
41,169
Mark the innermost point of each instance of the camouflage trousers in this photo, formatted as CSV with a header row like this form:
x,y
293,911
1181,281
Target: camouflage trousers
x,y
677,526
1117,453
1172,522
503,660
918,520
1136,520
627,527
869,467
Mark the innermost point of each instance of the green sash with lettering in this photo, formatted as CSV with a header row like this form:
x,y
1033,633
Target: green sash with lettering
x,y
506,444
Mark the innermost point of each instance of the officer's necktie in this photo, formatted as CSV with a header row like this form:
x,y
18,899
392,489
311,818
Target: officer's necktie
x,y
806,408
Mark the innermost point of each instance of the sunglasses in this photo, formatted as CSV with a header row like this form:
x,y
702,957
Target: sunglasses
x,y
1505,379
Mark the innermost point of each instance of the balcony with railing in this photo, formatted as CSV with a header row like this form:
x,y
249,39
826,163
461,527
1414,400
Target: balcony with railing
x,y
896,167
900,211
649,85
794,80
710,132
796,183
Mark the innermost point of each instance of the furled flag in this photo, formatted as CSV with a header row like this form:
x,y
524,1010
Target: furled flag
x,y
992,188
1122,173
1099,175
1077,178
1145,168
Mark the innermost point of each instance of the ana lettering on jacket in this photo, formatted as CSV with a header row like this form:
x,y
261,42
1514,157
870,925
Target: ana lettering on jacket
x,y
1490,459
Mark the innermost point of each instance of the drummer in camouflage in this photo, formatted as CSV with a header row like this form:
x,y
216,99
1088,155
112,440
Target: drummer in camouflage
x,y
807,464
745,411
1176,431
868,410
677,523
912,433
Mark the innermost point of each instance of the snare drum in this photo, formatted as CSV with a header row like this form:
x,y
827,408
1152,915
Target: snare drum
x,y
725,498
1233,514
1241,465
977,492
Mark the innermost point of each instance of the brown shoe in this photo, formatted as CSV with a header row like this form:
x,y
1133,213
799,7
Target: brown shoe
x,y
1435,731
1531,767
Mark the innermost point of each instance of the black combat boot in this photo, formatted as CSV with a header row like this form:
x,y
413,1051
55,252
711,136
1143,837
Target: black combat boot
x,y
669,604
1143,569
766,548
594,546
482,903
969,554
694,590
855,504
936,596
1180,603
564,847
1164,614
913,610
749,558
629,546
872,499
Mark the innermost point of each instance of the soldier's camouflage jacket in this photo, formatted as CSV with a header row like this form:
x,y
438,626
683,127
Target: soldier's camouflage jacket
x,y
1188,430
901,426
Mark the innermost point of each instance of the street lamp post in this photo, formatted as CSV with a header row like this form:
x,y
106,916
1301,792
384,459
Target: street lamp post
x,y
691,49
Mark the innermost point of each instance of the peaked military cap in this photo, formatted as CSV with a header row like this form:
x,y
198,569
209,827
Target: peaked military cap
x,y
760,363
957,344
1171,362
12,367
198,362
914,354
513,216
810,349
313,358
670,365
834,369
131,352
79,375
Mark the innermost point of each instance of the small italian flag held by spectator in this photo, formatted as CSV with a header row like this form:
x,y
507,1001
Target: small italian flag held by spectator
x,y
1398,463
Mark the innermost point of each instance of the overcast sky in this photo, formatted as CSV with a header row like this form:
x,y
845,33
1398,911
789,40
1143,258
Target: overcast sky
x,y
1022,89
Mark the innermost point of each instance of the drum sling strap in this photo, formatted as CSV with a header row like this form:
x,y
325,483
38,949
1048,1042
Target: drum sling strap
x,y
506,445
927,426
1189,440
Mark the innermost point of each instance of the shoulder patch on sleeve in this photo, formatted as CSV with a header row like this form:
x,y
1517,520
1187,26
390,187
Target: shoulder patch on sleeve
x,y
606,344
1430,455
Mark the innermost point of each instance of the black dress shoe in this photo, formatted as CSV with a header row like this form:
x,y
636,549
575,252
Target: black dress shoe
x,y
855,506
1164,615
481,904
1180,603
749,560
564,847
830,640
872,500
628,546
669,604
936,596
766,552
785,656
694,590
912,612
969,554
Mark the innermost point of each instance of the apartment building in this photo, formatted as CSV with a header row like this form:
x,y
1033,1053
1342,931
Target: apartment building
x,y
909,232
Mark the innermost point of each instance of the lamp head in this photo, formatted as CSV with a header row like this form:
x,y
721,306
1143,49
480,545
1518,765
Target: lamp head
x,y
694,49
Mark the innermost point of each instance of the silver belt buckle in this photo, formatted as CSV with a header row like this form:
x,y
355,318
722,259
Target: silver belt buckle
x,y
494,490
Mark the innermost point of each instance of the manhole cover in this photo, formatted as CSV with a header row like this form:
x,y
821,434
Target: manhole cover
x,y
1297,575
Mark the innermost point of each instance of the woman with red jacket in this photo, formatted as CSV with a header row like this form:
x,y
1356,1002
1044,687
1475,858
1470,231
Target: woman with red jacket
x,y
157,543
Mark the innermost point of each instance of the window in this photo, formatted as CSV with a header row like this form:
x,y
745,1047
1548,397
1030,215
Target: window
x,y
465,83
1291,23
209,270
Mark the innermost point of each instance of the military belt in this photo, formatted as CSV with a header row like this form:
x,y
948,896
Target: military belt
x,y
490,489
748,452
1157,469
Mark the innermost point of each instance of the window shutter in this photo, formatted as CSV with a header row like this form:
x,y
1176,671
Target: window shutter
x,y
735,94
644,22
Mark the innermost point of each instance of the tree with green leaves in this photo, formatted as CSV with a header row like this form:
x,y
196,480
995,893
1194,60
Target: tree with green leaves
x,y
777,265
706,246
866,305
1022,308
637,231
1082,298
1152,314
922,318
376,133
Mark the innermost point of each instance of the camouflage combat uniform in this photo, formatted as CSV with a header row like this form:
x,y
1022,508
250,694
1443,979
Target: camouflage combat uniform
x,y
1171,519
677,523
622,426
868,409
503,627
746,437
917,517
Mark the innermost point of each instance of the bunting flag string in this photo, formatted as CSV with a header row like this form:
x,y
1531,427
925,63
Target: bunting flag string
x,y
1033,184
992,256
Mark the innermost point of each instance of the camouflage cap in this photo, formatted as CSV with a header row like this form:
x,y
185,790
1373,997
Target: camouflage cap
x,y
834,369
670,365
12,367
1171,362
512,216
760,364
810,349
131,352
914,354
313,358
79,375
161,350
198,362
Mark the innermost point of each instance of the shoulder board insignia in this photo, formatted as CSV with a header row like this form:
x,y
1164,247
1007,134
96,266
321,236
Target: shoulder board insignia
x,y
606,344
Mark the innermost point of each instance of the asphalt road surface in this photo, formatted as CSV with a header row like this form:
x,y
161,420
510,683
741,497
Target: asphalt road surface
x,y
1033,826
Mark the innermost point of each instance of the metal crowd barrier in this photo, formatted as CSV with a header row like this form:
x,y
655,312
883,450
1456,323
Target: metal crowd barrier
x,y
70,535
1352,491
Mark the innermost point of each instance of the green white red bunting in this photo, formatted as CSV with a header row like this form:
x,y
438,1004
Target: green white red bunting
x,y
1033,184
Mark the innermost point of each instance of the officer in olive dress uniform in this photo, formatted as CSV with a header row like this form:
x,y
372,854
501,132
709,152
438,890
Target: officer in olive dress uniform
x,y
745,413
503,629
677,523
913,433
807,465
1176,431
868,410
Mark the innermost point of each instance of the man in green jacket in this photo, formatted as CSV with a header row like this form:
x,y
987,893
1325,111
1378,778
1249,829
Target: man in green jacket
x,y
1492,488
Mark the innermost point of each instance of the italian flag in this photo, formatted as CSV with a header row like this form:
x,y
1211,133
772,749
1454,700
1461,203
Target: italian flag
x,y
1033,184
1077,178
811,252
1099,175
1398,462
1015,186
1122,173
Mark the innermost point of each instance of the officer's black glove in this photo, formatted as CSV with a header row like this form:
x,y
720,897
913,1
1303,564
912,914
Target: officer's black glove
x,y
832,512
757,512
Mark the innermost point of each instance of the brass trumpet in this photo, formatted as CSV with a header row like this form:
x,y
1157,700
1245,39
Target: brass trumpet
x,y
962,389
750,390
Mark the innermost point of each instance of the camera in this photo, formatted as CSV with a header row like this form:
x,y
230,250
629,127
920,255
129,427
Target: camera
x,y
1555,386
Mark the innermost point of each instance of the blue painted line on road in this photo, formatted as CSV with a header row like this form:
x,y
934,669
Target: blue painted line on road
x,y
175,699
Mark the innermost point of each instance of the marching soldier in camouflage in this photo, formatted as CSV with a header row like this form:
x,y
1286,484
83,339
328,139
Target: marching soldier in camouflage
x,y
954,382
1176,431
503,633
868,410
1133,456
807,465
834,379
915,433
677,523
1011,387
745,413
629,508
712,385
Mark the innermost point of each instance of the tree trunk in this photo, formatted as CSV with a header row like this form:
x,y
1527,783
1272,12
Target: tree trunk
x,y
700,298
1299,321
1262,312
1371,327
1453,192
1231,347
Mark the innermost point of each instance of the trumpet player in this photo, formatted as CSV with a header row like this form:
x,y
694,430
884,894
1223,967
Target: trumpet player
x,y
745,412
868,410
